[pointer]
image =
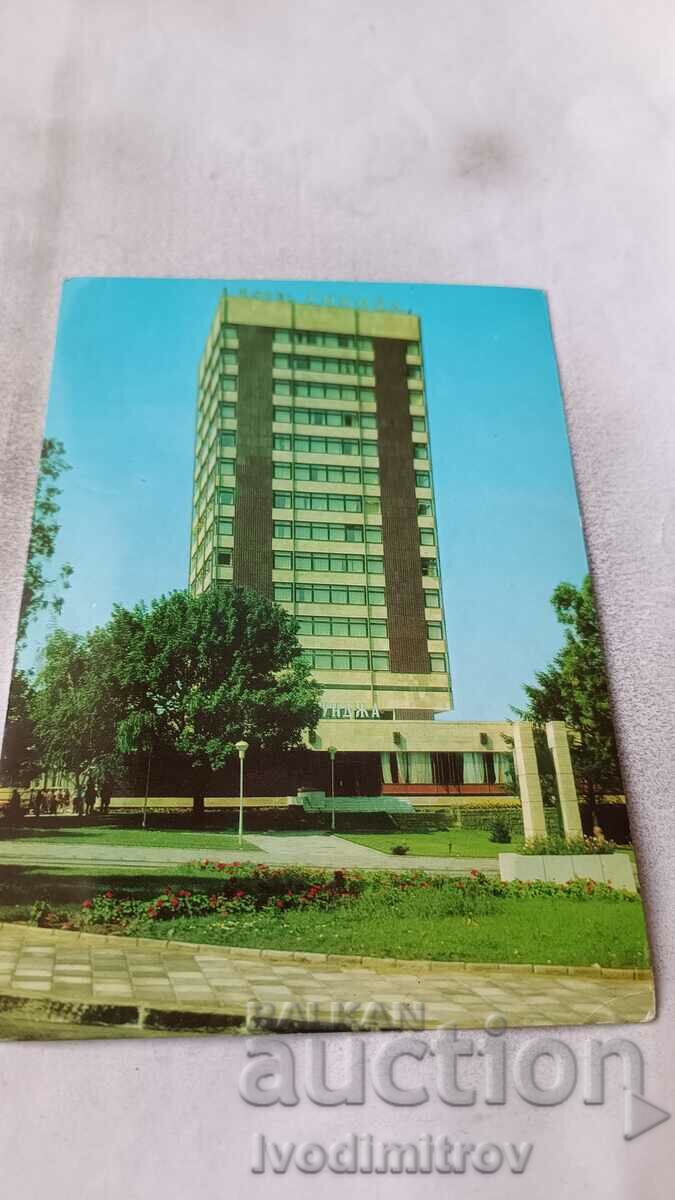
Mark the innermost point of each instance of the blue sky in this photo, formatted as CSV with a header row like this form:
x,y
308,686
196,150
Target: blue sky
x,y
122,400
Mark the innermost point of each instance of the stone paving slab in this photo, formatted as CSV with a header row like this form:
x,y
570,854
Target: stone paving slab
x,y
69,976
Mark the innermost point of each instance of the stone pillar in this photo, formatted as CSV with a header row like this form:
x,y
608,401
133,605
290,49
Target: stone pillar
x,y
556,736
534,824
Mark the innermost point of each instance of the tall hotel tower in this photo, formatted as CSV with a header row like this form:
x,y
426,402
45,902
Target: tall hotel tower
x,y
313,486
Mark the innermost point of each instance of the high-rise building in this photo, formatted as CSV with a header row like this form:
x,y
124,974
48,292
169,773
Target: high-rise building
x,y
313,486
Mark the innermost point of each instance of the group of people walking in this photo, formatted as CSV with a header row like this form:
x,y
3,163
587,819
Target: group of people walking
x,y
51,801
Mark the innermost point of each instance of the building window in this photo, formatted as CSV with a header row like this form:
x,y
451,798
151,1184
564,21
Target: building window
x,y
228,383
282,441
413,348
434,631
375,566
283,560
282,335
225,527
372,504
226,467
422,479
378,629
224,558
424,508
414,372
420,450
283,593
227,412
375,596
373,533
226,495
427,537
371,475
380,661
419,425
437,663
282,500
430,568
432,598
227,439
283,529
282,470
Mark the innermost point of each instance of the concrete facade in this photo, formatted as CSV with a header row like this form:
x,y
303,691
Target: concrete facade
x,y
313,484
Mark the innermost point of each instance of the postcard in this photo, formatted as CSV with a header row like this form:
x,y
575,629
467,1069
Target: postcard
x,y
309,726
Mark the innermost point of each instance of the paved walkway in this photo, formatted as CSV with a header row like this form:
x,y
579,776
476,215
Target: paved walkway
x,y
310,850
132,982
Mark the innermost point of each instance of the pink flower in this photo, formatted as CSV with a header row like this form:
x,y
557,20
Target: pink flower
x,y
87,904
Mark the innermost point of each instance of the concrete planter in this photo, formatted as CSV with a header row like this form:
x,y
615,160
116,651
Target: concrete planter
x,y
616,869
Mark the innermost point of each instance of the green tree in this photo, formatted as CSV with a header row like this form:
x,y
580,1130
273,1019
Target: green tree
x,y
19,760
192,675
40,589
574,689
74,719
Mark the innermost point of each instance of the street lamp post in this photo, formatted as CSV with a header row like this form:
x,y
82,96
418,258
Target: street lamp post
x,y
332,751
241,748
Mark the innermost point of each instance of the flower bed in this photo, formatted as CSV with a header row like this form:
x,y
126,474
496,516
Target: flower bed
x,y
239,889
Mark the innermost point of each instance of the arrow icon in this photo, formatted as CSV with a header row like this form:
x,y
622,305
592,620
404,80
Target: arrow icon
x,y
640,1115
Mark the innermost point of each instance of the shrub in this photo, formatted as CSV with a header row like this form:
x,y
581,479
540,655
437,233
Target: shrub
x,y
557,844
400,848
500,830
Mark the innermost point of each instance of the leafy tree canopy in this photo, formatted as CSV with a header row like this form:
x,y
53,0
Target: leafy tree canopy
x,y
574,689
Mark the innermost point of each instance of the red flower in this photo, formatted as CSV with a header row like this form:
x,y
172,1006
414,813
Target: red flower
x,y
108,895
474,872
280,904
87,904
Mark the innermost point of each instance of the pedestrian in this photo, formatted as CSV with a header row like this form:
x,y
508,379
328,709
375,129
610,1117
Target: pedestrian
x,y
106,795
38,802
13,811
89,797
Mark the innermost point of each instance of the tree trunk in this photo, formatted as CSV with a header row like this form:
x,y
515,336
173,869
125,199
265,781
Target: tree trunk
x,y
198,808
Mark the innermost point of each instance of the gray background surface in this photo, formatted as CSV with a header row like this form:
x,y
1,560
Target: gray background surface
x,y
528,143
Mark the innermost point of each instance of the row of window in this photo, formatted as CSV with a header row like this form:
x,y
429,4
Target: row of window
x,y
360,660
339,593
352,564
346,341
321,416
317,531
321,502
356,627
340,627
330,531
301,444
315,473
322,391
331,366
306,338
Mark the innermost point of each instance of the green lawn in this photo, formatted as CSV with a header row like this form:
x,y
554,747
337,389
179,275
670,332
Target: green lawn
x,y
416,923
111,835
465,843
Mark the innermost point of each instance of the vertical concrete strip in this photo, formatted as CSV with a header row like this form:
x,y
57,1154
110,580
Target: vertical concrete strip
x,y
534,824
252,557
404,593
556,736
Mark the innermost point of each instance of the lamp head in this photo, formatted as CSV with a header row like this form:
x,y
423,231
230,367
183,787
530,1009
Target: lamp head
x,y
242,747
332,751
